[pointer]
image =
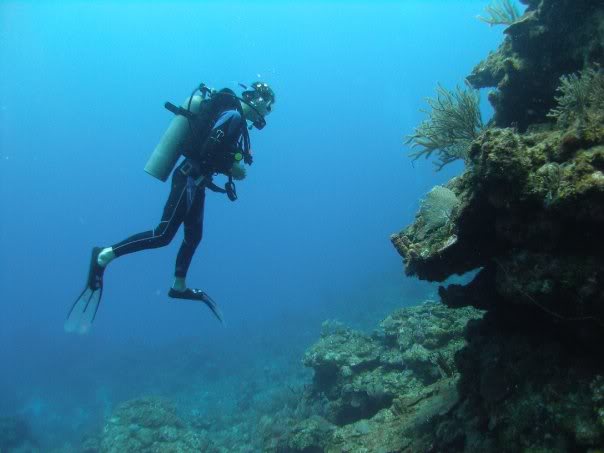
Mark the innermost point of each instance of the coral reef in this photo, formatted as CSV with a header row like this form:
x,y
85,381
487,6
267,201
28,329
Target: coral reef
x,y
529,217
529,211
377,390
434,379
553,38
150,425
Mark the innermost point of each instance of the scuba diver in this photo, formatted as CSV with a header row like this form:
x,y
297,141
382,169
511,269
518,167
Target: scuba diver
x,y
210,130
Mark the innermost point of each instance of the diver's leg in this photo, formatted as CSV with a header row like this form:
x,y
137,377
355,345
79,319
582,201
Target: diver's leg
x,y
193,232
193,223
173,215
106,256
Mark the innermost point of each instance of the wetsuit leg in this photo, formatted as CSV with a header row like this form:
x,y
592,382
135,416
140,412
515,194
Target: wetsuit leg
x,y
174,213
193,222
185,203
225,132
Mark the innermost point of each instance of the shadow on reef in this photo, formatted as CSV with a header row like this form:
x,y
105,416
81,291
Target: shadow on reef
x,y
523,392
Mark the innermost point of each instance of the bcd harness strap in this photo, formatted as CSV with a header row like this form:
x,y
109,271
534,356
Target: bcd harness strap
x,y
229,188
191,168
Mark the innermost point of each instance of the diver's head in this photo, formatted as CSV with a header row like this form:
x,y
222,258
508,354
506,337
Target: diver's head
x,y
259,100
226,99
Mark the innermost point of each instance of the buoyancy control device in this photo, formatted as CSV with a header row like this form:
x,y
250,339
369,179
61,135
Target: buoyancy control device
x,y
191,119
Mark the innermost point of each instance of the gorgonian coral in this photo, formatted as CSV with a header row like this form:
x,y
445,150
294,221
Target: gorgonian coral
x,y
452,124
581,96
501,12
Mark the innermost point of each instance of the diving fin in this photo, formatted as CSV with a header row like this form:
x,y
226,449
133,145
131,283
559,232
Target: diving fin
x,y
84,309
199,295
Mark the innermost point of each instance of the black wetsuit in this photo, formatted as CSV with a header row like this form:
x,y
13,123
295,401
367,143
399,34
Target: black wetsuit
x,y
187,195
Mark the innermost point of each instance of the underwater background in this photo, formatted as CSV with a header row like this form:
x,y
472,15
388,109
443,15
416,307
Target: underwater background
x,y
81,108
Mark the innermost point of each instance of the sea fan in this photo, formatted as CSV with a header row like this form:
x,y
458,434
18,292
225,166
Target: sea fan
x,y
437,207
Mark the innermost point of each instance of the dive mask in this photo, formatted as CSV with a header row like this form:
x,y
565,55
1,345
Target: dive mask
x,y
260,98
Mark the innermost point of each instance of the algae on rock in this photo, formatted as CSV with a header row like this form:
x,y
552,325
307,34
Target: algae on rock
x,y
552,39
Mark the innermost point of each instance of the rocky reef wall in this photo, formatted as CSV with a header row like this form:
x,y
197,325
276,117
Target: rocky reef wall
x,y
553,38
528,213
529,209
435,379
378,392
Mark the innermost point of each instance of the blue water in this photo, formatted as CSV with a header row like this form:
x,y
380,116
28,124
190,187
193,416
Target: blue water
x,y
82,88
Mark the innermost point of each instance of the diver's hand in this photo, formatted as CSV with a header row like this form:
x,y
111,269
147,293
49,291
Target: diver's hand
x,y
238,172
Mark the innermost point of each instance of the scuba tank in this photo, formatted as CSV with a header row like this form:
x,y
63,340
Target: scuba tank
x,y
166,153
168,150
